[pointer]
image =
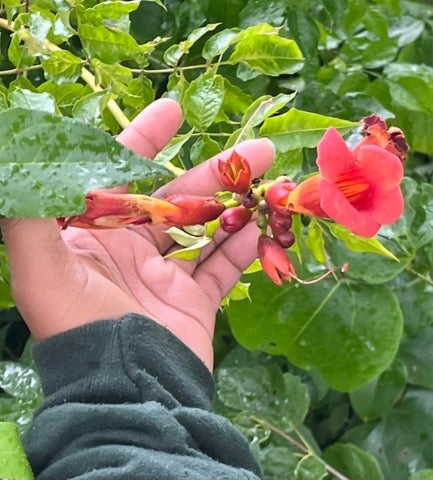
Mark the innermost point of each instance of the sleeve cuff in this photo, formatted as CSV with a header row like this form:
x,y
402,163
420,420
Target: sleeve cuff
x,y
132,359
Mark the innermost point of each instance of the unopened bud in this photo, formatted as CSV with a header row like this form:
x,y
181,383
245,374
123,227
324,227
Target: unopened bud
x,y
279,223
250,200
285,239
234,219
193,210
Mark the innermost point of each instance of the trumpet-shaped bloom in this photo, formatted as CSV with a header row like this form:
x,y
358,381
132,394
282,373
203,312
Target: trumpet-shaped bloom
x,y
235,173
357,188
275,262
110,210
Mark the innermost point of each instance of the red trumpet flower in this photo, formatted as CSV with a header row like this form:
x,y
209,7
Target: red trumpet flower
x,y
357,188
235,173
275,262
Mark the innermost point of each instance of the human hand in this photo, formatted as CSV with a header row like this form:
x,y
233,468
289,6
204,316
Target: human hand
x,y
65,279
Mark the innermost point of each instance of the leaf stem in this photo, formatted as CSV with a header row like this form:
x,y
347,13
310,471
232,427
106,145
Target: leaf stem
x,y
17,71
304,447
151,71
419,275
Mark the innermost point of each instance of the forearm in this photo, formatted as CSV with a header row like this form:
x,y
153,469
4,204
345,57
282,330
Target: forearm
x,y
126,399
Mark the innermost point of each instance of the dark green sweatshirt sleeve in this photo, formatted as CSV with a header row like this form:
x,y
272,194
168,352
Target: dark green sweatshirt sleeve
x,y
125,399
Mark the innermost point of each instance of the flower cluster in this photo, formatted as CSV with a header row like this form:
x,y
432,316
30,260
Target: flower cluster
x,y
358,188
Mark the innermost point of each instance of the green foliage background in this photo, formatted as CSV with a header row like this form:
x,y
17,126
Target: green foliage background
x,y
330,380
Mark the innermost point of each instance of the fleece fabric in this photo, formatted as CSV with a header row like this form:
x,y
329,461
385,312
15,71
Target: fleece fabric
x,y
125,399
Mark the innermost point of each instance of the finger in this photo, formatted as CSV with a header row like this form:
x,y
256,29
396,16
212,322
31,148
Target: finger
x,y
205,178
218,274
153,128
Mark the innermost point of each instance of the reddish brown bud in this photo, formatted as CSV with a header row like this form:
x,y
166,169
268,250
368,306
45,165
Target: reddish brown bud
x,y
234,219
285,239
279,223
275,262
235,173
250,200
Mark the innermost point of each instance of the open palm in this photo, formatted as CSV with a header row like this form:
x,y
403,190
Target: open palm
x,y
62,280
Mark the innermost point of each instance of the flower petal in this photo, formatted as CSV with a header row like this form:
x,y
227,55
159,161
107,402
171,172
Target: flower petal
x,y
387,206
335,204
383,168
334,156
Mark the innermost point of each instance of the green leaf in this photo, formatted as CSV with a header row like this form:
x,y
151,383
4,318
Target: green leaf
x,y
106,74
18,54
112,46
264,107
401,441
40,155
315,241
299,129
203,100
218,44
287,163
61,66
417,354
172,148
140,93
66,94
297,227
203,149
378,397
265,392
20,382
268,53
416,301
359,244
353,462
115,13
174,53
89,108
369,267
310,467
419,212
405,29
239,292
192,251
181,237
13,460
22,98
337,327
304,30
426,474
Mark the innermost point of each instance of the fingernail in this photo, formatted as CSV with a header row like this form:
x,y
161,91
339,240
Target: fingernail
x,y
271,144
